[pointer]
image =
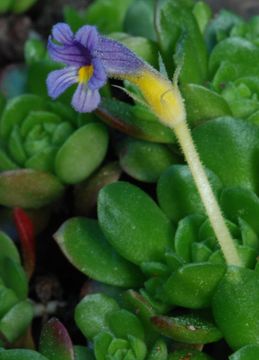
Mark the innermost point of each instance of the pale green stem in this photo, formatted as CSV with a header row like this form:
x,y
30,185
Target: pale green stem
x,y
209,201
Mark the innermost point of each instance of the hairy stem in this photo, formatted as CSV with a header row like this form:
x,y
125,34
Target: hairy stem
x,y
209,201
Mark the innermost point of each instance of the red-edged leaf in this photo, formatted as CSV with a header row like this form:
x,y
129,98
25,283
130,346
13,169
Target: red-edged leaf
x,y
55,342
25,229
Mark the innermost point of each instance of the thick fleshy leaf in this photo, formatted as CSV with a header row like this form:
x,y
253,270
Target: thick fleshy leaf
x,y
25,229
236,307
236,202
203,104
93,255
177,194
134,24
21,354
143,160
16,321
55,342
193,285
82,153
186,235
90,321
14,277
8,299
8,249
117,321
189,329
28,188
135,227
248,352
235,141
120,116
158,351
178,13
17,109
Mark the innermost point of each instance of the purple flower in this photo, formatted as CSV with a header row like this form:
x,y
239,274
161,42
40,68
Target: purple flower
x,y
89,59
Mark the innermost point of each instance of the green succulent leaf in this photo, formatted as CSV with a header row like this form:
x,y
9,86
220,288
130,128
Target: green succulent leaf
x,y
189,329
238,202
8,249
143,160
203,104
55,342
83,353
235,141
185,25
28,188
90,321
8,299
186,235
16,320
21,354
118,320
133,22
71,164
14,277
122,117
248,352
235,307
193,285
158,351
84,244
128,224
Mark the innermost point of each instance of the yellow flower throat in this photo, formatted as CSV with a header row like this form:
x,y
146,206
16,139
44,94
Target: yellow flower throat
x,y
85,73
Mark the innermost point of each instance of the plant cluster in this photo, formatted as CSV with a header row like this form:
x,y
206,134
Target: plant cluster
x,y
170,283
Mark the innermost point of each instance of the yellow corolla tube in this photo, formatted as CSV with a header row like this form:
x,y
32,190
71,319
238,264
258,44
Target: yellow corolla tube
x,y
162,96
165,100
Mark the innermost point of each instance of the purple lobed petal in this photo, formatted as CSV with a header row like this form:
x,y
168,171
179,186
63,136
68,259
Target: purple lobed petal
x,y
62,33
116,58
99,77
85,100
66,54
59,80
88,37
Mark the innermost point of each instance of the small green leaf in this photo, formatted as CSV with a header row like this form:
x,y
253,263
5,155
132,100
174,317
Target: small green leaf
x,y
134,24
235,141
189,329
82,153
93,255
236,307
28,188
186,234
90,321
55,342
248,352
158,351
21,354
203,104
193,285
143,160
14,277
135,227
8,249
117,321
16,321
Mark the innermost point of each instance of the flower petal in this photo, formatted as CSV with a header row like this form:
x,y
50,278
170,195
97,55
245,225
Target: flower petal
x,y
99,77
62,33
59,80
87,36
85,100
66,54
116,58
